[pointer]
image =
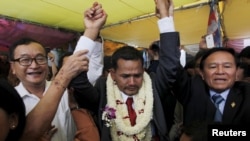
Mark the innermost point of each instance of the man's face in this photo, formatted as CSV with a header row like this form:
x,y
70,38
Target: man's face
x,y
219,71
150,54
128,76
245,60
33,74
239,74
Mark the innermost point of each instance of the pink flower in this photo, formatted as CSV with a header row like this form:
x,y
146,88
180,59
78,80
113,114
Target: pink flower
x,y
110,112
108,115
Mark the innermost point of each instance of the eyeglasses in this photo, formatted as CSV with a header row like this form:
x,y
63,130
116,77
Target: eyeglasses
x,y
26,61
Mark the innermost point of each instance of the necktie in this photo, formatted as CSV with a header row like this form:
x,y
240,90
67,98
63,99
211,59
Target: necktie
x,y
131,112
217,100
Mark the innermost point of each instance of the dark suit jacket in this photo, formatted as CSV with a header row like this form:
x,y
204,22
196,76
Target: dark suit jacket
x,y
193,93
169,44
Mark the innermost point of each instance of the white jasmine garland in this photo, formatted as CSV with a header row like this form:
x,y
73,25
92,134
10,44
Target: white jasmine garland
x,y
120,125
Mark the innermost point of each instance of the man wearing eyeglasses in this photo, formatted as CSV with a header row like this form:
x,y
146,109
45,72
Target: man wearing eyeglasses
x,y
29,62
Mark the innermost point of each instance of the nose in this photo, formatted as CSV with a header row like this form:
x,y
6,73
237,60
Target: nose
x,y
33,62
220,69
131,80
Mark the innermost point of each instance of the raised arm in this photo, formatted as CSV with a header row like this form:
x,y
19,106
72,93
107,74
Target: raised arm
x,y
94,19
169,47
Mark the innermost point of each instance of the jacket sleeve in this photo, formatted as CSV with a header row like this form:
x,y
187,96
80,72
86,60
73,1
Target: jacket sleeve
x,y
169,62
85,94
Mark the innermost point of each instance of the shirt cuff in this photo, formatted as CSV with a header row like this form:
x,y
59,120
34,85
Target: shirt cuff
x,y
166,25
85,43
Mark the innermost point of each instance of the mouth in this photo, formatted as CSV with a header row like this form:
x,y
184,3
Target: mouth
x,y
132,88
220,80
34,73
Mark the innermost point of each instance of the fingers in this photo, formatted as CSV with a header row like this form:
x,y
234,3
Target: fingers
x,y
75,64
95,11
164,8
49,133
89,12
98,14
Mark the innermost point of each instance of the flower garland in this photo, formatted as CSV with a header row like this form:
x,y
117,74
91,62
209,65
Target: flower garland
x,y
119,123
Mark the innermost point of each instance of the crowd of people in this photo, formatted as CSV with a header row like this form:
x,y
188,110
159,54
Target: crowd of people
x,y
166,102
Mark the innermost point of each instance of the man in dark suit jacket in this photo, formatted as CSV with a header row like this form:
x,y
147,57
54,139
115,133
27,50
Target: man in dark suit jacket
x,y
127,79
218,73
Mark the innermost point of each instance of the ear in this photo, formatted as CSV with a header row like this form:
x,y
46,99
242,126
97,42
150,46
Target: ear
x,y
12,68
201,74
13,121
112,74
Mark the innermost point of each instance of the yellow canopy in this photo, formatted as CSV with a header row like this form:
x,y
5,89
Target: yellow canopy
x,y
131,21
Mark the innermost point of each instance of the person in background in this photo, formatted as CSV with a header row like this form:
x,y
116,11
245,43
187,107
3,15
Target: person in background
x,y
12,113
85,124
107,66
153,53
83,118
243,72
53,69
203,43
244,55
197,60
190,65
4,66
12,79
196,131
130,107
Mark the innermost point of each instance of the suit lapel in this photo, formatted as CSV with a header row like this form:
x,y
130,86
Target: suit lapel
x,y
210,109
232,105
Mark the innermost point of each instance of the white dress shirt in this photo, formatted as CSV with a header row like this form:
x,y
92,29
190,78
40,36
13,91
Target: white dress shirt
x,y
63,120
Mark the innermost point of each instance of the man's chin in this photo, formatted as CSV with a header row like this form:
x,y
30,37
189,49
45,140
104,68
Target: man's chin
x,y
131,92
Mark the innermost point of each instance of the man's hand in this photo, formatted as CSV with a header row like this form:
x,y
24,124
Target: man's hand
x,y
94,18
164,8
49,134
75,64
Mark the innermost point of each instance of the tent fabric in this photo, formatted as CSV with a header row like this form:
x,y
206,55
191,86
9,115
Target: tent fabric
x,y
129,21
13,30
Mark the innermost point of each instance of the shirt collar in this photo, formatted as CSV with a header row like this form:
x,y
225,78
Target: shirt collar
x,y
23,91
223,94
125,97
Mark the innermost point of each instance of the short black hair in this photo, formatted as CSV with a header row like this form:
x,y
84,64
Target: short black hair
x,y
155,46
199,54
246,69
60,62
22,41
126,53
217,49
196,130
190,64
12,103
245,52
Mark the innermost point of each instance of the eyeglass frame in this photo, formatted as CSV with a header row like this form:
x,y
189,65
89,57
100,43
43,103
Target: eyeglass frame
x,y
31,60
